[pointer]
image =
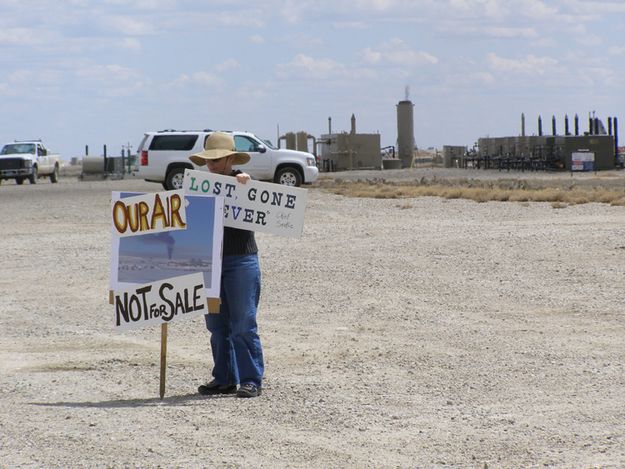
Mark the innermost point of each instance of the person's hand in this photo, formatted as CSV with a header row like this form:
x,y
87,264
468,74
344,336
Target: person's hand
x,y
243,177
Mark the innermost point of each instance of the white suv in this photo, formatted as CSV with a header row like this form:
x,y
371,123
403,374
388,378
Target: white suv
x,y
164,155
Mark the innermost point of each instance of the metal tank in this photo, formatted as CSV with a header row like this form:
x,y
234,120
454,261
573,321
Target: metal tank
x,y
93,165
290,139
302,141
405,132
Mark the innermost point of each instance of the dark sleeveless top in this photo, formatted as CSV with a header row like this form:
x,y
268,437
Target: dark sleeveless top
x,y
238,242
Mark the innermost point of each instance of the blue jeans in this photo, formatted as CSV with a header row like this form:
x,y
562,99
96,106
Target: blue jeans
x,y
237,352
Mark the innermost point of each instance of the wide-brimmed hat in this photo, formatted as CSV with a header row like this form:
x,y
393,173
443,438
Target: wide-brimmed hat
x,y
219,145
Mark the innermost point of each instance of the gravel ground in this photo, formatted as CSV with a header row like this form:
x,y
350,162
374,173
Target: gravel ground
x,y
397,333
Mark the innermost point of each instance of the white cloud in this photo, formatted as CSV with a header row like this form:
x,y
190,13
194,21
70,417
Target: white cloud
x,y
397,52
131,44
615,50
530,65
128,25
256,39
349,25
480,30
227,65
595,8
26,77
23,37
238,19
111,80
107,73
205,78
482,77
301,40
309,66
599,76
499,10
494,9
538,10
6,90
140,4
251,91
511,32
377,5
590,39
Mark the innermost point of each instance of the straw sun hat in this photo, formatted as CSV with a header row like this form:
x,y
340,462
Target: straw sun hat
x,y
219,145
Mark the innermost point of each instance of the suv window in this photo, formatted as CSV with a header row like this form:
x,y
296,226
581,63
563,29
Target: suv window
x,y
242,143
173,142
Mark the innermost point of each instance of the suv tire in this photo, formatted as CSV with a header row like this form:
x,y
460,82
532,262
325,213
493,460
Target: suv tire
x,y
174,179
288,176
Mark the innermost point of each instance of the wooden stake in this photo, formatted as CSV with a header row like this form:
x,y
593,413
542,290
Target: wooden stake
x,y
163,358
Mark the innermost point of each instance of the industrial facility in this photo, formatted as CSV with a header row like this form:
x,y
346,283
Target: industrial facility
x,y
345,151
593,150
341,151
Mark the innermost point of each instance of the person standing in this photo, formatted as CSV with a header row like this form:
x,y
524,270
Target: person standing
x,y
235,343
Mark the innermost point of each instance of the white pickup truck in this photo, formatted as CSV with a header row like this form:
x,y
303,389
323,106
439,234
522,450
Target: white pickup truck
x,y
28,159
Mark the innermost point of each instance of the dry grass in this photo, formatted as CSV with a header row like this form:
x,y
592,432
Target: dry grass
x,y
477,191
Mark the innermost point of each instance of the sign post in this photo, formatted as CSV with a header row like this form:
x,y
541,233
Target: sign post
x,y
163,359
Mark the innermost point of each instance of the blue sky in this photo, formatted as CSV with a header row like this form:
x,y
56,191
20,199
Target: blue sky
x,y
86,72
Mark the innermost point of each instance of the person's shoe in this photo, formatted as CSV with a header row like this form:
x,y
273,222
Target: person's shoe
x,y
248,390
212,388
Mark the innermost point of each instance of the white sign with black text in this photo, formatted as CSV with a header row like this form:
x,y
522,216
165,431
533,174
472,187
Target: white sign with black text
x,y
255,206
160,302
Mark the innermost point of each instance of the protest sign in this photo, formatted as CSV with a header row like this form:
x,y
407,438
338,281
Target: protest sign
x,y
165,260
256,206
162,254
160,302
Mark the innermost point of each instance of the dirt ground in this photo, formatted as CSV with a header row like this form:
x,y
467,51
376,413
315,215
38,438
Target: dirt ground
x,y
397,333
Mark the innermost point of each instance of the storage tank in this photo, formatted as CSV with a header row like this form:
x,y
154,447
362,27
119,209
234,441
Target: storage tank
x,y
93,165
302,141
405,132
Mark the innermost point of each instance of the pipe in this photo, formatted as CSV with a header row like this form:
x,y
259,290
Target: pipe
x,y
566,124
609,126
330,125
615,123
576,125
314,145
86,150
590,124
353,129
553,125
522,125
105,162
540,126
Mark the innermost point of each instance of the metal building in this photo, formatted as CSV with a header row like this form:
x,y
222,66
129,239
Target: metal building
x,y
350,150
